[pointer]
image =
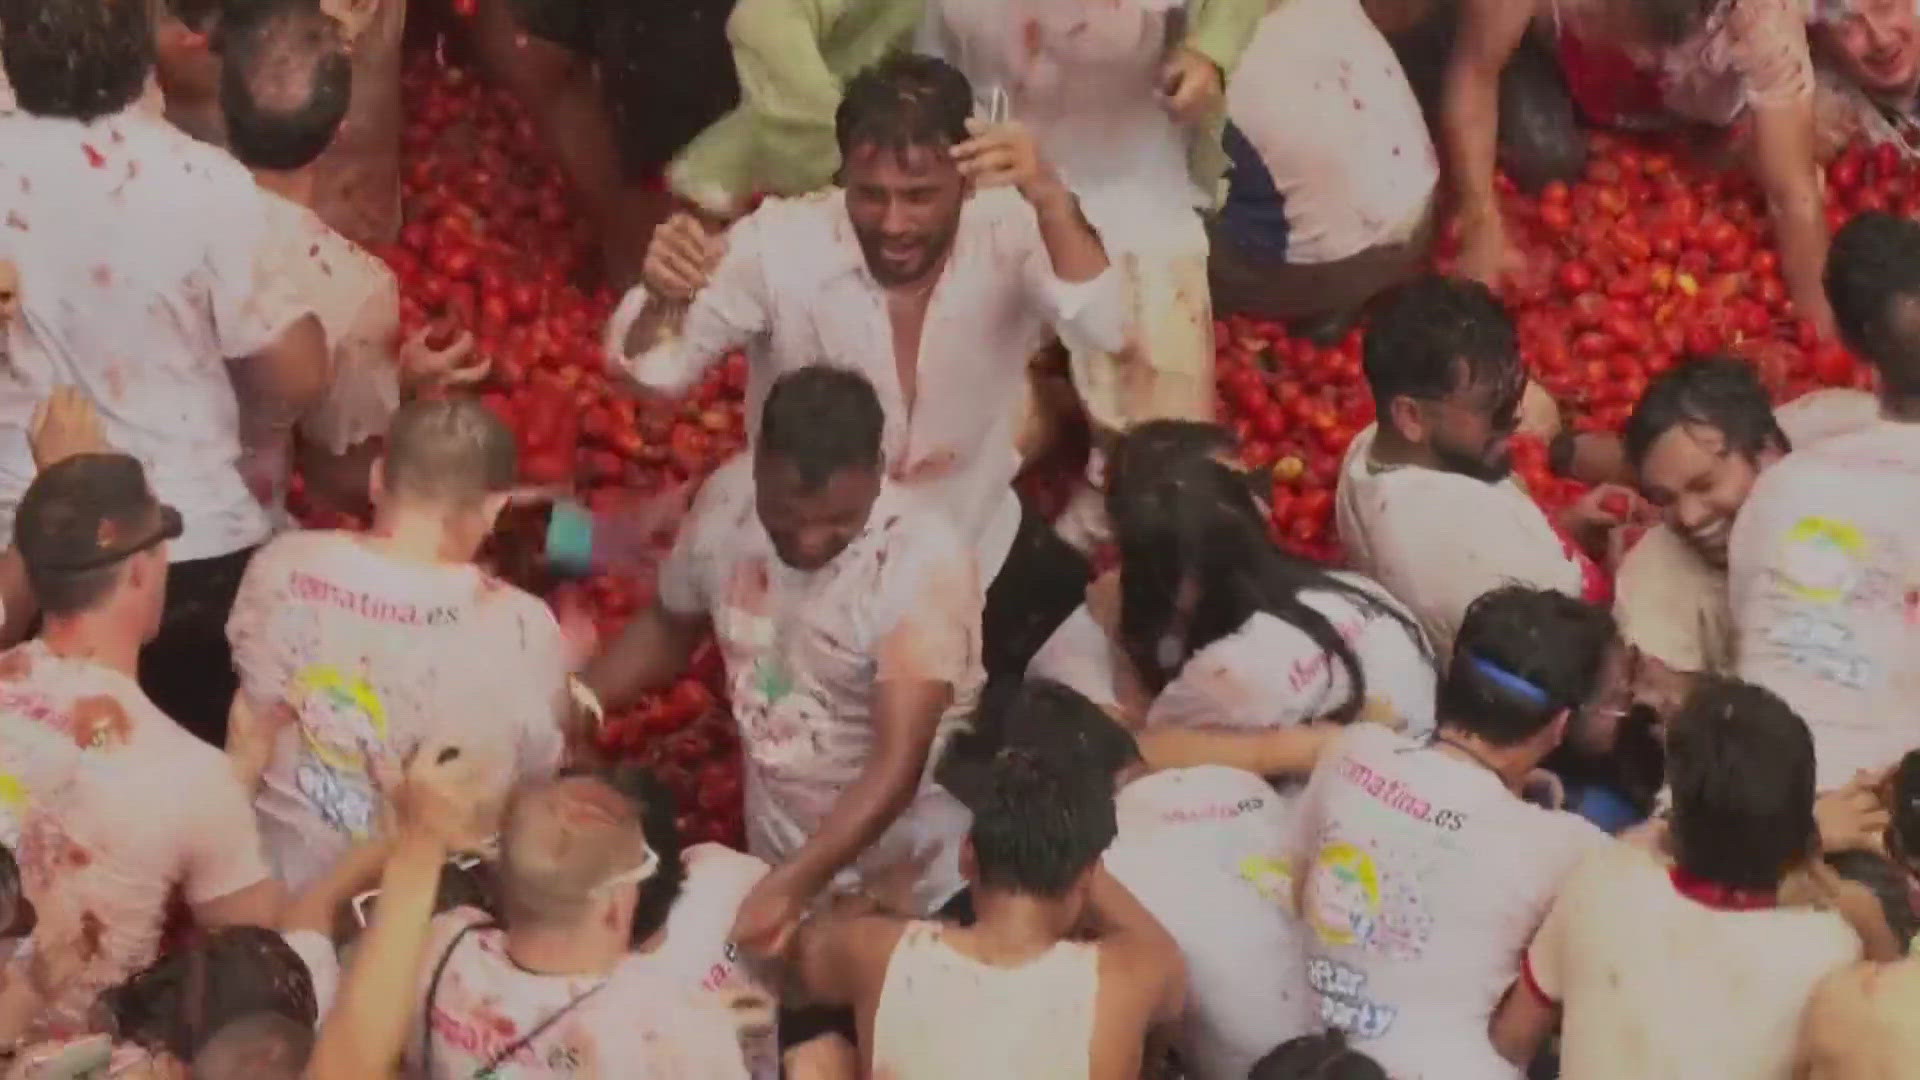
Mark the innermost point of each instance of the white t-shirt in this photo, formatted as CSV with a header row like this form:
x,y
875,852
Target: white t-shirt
x,y
1323,102
1824,580
1671,603
375,655
322,961
1438,540
138,253
805,652
110,806
1205,850
1426,878
1659,986
1266,674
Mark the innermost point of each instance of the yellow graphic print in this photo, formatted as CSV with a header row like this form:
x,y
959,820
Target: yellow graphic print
x,y
1379,709
1823,559
1271,876
342,720
13,809
1345,895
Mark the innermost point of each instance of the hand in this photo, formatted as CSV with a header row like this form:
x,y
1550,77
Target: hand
x,y
1604,508
769,916
1486,255
64,425
354,16
579,635
823,1057
1539,413
1103,602
1006,155
1190,85
1852,818
680,258
442,798
427,367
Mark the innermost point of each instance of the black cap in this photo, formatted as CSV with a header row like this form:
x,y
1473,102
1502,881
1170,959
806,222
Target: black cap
x,y
89,511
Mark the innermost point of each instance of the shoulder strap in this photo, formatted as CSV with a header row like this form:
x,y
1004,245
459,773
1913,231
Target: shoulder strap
x,y
433,995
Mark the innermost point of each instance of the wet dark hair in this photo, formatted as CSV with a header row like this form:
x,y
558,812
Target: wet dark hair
x,y
263,1046
1873,282
76,59
1154,444
13,897
1038,827
285,82
1194,520
902,102
1740,763
1325,1056
653,801
182,999
1054,722
1436,335
1720,392
1888,883
1903,830
822,420
1521,656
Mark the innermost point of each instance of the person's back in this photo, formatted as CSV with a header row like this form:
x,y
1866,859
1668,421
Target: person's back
x,y
353,650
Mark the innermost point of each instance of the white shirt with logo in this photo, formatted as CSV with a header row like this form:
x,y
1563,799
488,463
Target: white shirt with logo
x,y
1425,879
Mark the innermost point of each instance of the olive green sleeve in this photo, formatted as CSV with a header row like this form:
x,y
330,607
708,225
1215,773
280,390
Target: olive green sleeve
x,y
1220,29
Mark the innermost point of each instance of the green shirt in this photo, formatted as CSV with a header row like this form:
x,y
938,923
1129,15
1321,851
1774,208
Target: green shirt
x,y
793,58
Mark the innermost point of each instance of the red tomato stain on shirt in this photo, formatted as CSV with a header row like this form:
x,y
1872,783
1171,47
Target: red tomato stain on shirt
x,y
103,276
94,157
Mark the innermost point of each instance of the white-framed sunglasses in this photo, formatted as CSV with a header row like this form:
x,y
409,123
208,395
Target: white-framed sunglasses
x,y
649,863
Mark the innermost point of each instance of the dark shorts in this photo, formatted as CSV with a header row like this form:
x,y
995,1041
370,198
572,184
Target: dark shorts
x,y
1043,580
666,68
188,669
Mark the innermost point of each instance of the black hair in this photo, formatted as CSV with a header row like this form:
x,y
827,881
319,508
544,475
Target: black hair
x,y
1051,720
285,82
1888,883
200,15
1152,443
1903,830
1873,282
76,59
263,1046
1669,22
1325,1056
1435,335
1720,392
653,801
13,896
1037,827
1520,657
1740,763
904,101
184,998
1193,520
822,420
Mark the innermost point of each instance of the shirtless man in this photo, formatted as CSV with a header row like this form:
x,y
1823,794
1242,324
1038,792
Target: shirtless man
x,y
1012,994
1860,1024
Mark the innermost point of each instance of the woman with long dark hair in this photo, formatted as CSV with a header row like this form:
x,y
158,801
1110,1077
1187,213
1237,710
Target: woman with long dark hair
x,y
1213,626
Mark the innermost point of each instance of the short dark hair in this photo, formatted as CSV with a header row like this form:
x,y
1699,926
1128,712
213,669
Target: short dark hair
x,y
1037,827
1873,282
184,998
450,449
1051,720
263,1046
654,803
1740,763
1325,1056
1720,392
1435,335
76,59
822,420
1520,657
1152,443
904,101
285,82
1888,883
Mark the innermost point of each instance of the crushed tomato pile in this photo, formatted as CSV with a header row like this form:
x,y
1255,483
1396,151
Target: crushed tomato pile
x,y
1649,258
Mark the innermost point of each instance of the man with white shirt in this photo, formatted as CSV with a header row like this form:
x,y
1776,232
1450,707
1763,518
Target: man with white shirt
x,y
943,262
1698,439
1609,964
1824,561
847,613
1422,873
137,250
1427,504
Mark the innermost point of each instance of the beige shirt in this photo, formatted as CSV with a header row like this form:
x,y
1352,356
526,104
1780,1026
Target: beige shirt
x,y
794,290
1658,986
1671,603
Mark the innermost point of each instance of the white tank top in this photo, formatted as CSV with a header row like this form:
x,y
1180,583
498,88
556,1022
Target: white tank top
x,y
944,1016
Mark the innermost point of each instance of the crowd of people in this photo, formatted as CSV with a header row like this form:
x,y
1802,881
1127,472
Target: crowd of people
x,y
1133,791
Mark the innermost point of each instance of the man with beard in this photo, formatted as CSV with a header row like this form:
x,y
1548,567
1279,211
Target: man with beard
x,y
1868,68
949,255
847,614
1427,504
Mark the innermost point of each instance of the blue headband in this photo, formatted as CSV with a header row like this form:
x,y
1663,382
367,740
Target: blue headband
x,y
1508,681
